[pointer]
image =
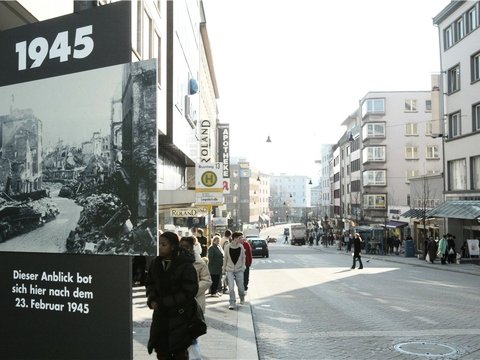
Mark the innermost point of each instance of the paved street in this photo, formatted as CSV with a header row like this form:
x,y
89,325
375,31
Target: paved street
x,y
308,304
52,236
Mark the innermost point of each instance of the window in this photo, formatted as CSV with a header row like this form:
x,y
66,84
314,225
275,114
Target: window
x,y
411,129
373,106
411,152
374,153
428,128
137,26
410,174
146,41
375,178
428,105
476,117
475,176
373,130
157,52
454,125
457,175
472,19
375,201
432,152
475,67
410,105
447,38
459,29
454,79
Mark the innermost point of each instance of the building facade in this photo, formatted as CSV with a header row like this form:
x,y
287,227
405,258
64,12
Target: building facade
x,y
459,34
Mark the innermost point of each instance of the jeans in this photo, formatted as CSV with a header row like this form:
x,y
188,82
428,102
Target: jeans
x,y
235,278
246,277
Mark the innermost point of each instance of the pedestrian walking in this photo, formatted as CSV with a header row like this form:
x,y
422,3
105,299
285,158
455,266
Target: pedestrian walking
x,y
442,249
357,249
431,250
171,287
223,244
215,264
234,267
451,252
248,262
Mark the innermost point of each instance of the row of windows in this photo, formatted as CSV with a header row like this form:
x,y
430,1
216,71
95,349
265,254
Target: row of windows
x,y
461,27
377,106
378,153
455,121
457,174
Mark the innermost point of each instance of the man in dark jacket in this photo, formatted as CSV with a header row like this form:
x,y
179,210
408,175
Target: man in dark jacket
x,y
357,249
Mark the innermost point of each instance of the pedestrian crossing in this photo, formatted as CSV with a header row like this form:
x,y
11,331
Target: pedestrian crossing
x,y
268,261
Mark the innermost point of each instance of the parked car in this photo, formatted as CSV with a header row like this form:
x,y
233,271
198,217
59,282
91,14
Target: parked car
x,y
259,247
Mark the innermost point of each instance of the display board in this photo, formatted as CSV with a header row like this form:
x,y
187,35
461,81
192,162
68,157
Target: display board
x,y
77,184
60,306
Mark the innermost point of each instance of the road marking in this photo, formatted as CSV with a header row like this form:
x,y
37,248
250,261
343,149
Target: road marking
x,y
390,333
426,320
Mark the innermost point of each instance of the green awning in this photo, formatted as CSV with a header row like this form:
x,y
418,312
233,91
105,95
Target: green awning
x,y
457,209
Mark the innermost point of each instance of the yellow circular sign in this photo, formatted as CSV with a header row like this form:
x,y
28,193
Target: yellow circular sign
x,y
209,178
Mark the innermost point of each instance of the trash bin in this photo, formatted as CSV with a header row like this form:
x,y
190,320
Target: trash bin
x,y
409,248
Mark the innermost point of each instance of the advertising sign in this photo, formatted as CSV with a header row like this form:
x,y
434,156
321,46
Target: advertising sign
x,y
189,212
223,142
56,306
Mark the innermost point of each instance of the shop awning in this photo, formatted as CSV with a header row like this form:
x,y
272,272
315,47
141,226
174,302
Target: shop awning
x,y
393,224
264,217
457,209
415,213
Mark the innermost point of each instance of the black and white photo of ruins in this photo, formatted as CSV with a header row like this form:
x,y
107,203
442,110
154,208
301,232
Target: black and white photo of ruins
x,y
78,163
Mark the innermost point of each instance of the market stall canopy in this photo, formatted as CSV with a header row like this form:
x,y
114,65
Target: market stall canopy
x,y
457,209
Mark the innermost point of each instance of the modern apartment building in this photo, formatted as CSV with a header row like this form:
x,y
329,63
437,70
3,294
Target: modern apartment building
x,y
459,36
389,139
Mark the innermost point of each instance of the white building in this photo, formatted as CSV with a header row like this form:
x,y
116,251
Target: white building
x,y
458,29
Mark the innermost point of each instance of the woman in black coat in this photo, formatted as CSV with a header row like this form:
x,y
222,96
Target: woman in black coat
x,y
171,285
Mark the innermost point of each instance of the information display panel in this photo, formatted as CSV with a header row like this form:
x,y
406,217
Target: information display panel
x,y
60,306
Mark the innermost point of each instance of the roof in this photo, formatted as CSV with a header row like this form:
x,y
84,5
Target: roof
x,y
415,213
393,224
457,209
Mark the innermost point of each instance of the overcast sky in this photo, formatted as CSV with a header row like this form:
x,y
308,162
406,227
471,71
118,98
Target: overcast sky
x,y
71,107
295,70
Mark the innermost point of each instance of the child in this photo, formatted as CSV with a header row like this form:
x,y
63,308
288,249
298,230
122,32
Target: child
x,y
171,287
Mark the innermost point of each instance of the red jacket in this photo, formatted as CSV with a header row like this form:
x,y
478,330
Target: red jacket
x,y
248,253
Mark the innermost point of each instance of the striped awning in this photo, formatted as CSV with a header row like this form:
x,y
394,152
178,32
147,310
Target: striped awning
x,y
457,209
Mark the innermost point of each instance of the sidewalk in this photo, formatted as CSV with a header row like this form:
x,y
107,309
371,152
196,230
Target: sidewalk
x,y
230,333
465,268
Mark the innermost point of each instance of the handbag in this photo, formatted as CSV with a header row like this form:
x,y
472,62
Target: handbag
x,y
197,326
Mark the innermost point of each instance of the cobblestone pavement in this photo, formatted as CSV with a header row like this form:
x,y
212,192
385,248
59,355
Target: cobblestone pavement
x,y
309,305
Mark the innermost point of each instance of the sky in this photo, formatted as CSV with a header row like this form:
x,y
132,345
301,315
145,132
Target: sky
x,y
71,107
295,70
